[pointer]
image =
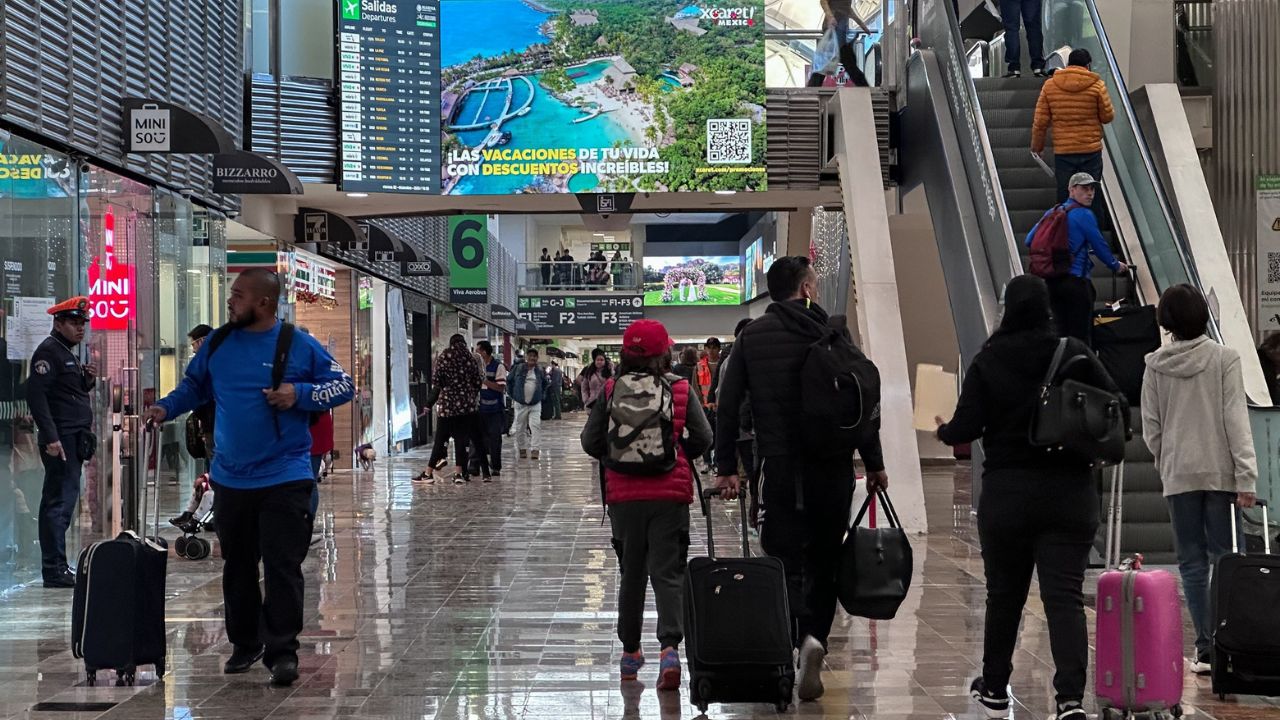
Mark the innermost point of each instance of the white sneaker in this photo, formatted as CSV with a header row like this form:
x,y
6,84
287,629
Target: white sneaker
x,y
809,675
1199,667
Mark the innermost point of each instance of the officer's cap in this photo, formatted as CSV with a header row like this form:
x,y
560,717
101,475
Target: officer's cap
x,y
76,308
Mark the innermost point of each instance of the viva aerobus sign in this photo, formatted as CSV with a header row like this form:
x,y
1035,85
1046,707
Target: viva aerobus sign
x,y
469,259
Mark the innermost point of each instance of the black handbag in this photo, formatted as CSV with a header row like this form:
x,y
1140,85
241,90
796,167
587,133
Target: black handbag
x,y
875,566
1075,416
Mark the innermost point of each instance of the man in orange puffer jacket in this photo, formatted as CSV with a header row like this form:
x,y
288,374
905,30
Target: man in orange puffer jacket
x,y
1075,103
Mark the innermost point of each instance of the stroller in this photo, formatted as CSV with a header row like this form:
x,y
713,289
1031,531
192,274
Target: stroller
x,y
198,517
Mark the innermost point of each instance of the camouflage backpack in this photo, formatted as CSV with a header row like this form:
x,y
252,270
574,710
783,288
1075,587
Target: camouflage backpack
x,y
641,426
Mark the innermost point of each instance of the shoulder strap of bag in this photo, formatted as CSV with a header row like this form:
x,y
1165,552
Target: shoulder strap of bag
x,y
218,337
1057,361
279,361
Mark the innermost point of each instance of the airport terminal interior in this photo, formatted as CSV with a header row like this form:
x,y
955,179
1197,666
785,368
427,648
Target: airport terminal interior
x,y
437,240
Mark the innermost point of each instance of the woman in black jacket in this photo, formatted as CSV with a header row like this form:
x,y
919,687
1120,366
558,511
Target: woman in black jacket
x,y
1039,507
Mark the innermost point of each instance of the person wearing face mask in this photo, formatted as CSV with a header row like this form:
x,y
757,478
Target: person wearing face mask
x,y
58,395
261,474
805,494
1039,505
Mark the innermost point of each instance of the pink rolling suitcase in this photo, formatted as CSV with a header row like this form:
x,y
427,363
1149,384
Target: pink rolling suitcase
x,y
1139,638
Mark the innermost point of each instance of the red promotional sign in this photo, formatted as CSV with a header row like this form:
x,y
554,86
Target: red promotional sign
x,y
111,284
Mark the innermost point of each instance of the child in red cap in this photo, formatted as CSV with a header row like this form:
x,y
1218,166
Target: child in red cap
x,y
644,431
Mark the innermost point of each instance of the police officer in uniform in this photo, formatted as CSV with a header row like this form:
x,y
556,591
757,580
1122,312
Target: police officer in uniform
x,y
58,395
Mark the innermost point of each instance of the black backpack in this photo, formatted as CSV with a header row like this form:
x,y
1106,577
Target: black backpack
x,y
279,361
840,395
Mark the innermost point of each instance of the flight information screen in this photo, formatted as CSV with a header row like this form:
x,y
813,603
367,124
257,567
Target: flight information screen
x,y
389,91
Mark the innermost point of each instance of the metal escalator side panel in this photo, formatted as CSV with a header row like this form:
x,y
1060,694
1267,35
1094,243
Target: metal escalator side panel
x,y
1126,232
1163,120
933,158
939,30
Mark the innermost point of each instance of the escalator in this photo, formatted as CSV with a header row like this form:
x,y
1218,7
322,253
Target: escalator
x,y
969,149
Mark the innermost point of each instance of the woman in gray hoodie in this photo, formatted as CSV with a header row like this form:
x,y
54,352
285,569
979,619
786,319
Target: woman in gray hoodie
x,y
1195,420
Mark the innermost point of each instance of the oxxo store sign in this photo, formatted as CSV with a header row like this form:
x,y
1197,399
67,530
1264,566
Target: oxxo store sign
x,y
112,285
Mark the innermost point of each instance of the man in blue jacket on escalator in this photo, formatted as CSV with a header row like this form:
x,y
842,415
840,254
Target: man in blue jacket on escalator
x,y
262,469
1072,295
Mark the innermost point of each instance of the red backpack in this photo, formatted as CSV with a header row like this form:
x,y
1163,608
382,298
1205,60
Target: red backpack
x,y
1051,245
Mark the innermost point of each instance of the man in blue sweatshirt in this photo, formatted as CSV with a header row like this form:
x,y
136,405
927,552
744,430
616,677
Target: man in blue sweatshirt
x,y
1072,296
262,469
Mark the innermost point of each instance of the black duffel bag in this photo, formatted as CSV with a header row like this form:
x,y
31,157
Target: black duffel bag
x,y
1122,339
1078,417
875,566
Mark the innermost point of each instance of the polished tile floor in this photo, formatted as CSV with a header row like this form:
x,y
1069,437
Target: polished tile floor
x,y
496,602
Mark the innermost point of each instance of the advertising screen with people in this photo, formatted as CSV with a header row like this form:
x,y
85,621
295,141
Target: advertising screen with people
x,y
677,281
558,96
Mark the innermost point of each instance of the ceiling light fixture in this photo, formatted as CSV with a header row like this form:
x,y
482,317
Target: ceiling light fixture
x,y
357,195
726,192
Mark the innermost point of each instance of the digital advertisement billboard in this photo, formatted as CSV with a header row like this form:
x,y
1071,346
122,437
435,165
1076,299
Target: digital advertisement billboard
x,y
756,261
684,281
559,96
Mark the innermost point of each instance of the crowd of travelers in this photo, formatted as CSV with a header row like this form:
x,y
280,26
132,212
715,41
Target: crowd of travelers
x,y
1038,512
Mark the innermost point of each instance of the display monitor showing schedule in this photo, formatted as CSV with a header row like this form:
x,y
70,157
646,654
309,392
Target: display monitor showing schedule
x,y
389,87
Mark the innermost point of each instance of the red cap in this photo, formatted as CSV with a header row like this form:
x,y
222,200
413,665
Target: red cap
x,y
76,307
646,338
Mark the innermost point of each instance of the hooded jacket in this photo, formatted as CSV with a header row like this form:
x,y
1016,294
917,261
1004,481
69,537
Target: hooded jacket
x,y
1075,103
1195,418
766,362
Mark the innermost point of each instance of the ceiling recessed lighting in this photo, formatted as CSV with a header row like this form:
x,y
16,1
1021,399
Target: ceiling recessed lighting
x,y
726,192
357,195
598,234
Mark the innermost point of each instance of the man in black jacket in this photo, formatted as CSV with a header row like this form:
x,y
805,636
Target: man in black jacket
x,y
805,495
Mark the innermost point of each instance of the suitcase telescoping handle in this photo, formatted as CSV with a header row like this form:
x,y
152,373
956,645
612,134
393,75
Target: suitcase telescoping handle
x,y
151,466
1115,517
1266,529
742,514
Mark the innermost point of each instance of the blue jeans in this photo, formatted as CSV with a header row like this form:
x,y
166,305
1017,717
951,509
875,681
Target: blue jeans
x,y
1029,11
1201,534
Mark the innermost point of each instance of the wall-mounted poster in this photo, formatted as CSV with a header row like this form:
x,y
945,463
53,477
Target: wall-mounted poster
x,y
558,96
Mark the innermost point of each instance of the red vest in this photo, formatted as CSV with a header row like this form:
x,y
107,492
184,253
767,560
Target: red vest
x,y
676,485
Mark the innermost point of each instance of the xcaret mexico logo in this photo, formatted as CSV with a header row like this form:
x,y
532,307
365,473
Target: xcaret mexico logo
x,y
729,16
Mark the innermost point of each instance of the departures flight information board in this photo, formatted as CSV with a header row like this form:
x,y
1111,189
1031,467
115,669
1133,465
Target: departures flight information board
x,y
389,90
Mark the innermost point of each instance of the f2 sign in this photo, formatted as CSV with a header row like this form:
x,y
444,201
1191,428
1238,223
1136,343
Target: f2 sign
x,y
150,129
112,285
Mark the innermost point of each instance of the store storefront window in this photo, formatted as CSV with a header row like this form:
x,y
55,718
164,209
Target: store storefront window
x,y
40,262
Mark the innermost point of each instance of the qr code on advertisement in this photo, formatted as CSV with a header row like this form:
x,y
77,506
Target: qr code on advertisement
x,y
1273,267
729,141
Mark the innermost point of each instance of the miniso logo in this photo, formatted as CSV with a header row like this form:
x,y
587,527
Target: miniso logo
x,y
730,16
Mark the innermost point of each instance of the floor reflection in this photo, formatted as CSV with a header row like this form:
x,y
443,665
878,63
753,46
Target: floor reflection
x,y
497,601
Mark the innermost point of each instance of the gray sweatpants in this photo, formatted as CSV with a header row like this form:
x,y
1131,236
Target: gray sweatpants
x,y
651,539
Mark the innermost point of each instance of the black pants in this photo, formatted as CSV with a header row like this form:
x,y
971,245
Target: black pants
x,y
847,59
492,426
271,526
1046,522
1071,299
747,457
710,455
651,539
58,501
803,518
463,429
1067,164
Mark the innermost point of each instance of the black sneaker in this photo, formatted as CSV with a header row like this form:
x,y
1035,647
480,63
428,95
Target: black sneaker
x,y
994,705
284,671
1070,710
64,579
1038,72
1013,74
179,521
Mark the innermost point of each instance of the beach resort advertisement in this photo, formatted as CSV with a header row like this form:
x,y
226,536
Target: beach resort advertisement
x,y
681,281
583,96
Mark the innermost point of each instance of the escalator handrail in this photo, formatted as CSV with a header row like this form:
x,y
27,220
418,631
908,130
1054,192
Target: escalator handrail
x,y
1121,93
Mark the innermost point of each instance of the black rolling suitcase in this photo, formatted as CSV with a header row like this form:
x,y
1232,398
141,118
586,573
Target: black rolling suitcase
x,y
737,626
1246,639
117,611
1123,336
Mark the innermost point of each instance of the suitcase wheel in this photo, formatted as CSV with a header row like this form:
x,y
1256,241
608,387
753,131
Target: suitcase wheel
x,y
159,670
91,677
700,695
784,694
